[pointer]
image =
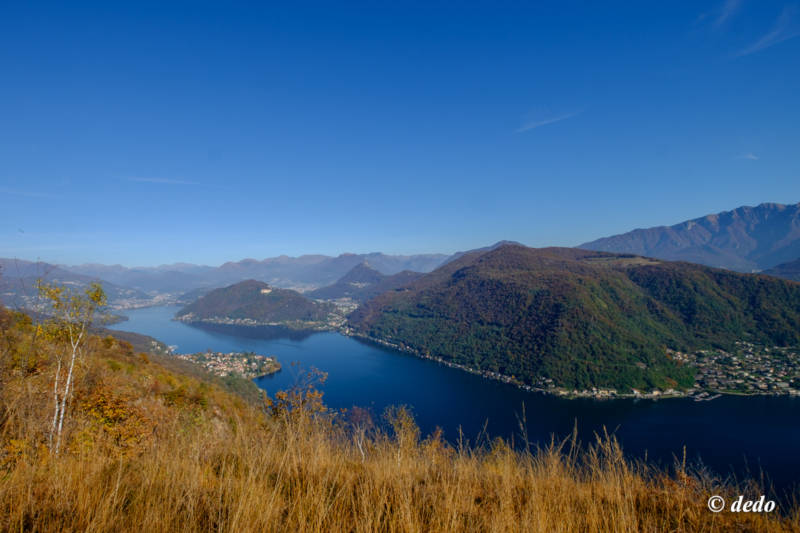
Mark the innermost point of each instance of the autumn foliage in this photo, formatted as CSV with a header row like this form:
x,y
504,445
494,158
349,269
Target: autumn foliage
x,y
150,448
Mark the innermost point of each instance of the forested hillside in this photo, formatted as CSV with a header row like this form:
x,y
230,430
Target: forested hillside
x,y
579,317
256,301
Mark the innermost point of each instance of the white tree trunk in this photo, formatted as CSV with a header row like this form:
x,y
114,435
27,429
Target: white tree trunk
x,y
56,406
68,386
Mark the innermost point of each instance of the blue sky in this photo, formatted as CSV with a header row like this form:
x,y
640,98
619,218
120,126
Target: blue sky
x,y
210,131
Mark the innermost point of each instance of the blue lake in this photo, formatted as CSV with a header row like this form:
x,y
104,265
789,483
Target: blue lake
x,y
730,435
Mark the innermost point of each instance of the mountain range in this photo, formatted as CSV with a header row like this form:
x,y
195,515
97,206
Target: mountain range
x,y
18,280
764,238
746,239
304,272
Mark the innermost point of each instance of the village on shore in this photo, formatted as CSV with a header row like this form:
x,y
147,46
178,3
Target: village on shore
x,y
244,364
751,370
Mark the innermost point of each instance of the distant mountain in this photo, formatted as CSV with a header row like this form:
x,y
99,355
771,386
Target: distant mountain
x,y
304,272
790,270
362,283
318,271
256,302
18,280
167,278
746,239
578,317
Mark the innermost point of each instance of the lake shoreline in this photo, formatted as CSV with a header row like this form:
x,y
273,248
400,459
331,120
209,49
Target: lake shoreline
x,y
698,395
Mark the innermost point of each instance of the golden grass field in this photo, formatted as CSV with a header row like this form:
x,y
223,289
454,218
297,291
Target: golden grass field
x,y
152,449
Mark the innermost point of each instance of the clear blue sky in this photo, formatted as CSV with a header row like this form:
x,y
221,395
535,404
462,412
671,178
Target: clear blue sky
x,y
206,131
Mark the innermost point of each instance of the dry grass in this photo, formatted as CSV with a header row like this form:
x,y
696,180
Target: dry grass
x,y
152,450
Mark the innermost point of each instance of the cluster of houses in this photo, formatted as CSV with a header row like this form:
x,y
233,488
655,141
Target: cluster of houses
x,y
247,365
749,369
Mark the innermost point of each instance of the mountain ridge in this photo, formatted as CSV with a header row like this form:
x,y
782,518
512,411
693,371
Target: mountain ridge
x,y
745,239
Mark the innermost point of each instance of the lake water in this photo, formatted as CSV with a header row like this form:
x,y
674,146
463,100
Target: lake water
x,y
730,435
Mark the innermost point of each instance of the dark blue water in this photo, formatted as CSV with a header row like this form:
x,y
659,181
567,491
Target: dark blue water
x,y
730,435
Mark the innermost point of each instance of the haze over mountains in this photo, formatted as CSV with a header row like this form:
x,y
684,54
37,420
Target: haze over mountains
x,y
746,239
18,280
790,270
304,272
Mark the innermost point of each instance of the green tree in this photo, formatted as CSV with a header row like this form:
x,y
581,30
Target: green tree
x,y
70,314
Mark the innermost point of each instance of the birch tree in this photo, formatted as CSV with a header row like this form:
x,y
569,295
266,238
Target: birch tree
x,y
70,314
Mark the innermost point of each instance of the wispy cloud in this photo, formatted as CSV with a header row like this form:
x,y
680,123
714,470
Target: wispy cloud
x,y
785,28
728,10
163,181
749,155
533,124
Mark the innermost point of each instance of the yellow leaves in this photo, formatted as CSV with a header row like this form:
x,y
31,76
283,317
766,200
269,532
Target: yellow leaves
x,y
95,294
13,451
124,424
182,397
68,308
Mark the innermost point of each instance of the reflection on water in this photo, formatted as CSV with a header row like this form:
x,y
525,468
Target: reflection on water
x,y
256,332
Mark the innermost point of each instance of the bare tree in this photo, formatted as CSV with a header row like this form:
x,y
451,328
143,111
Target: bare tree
x,y
70,316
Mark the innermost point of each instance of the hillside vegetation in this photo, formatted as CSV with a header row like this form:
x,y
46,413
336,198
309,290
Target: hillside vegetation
x,y
580,318
256,301
149,448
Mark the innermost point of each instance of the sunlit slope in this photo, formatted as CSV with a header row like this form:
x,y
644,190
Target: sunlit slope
x,y
579,317
255,300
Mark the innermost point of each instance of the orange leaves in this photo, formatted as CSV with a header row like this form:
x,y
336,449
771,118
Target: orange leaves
x,y
124,424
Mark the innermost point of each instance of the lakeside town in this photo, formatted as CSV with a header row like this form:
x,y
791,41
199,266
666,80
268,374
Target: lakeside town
x,y
245,364
334,321
750,370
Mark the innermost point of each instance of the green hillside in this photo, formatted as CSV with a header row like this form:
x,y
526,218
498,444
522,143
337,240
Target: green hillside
x,y
579,317
257,302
